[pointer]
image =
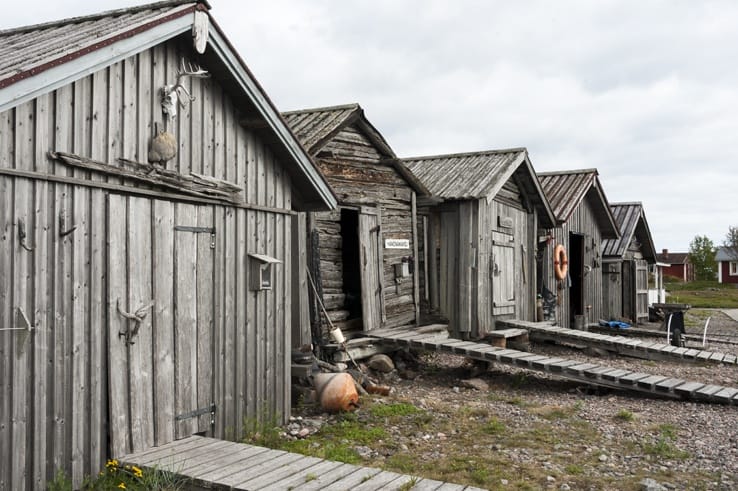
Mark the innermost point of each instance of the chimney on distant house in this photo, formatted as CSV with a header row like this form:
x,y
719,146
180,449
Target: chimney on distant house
x,y
665,253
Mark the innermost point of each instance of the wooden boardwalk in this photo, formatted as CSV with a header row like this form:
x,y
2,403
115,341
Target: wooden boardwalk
x,y
589,373
625,346
219,464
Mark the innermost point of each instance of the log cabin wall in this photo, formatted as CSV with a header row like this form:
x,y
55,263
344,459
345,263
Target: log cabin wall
x,y
354,168
54,380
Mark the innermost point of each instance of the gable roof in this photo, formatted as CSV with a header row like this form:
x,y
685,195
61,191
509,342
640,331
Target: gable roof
x,y
672,258
566,190
726,254
38,59
477,175
631,220
316,127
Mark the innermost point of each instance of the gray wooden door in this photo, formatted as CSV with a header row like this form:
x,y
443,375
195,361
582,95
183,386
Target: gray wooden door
x,y
372,271
160,311
641,288
502,274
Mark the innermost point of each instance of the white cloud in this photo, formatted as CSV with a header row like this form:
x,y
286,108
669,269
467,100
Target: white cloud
x,y
644,91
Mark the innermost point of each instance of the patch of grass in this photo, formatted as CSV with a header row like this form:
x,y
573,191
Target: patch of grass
x,y
704,294
574,469
480,475
408,485
624,415
262,432
310,477
339,453
663,446
494,427
555,412
353,431
123,476
519,380
393,410
60,482
401,462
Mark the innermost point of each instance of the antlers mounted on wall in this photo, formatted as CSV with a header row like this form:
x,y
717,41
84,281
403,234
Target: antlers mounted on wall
x,y
171,95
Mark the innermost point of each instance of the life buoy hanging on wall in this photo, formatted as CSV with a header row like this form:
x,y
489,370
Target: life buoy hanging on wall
x,y
561,262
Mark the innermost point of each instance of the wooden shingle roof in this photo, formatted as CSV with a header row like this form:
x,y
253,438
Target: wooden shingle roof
x,y
478,175
566,190
316,127
631,220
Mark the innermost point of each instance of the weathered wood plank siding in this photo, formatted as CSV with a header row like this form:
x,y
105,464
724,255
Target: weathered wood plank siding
x,y
54,381
582,222
612,289
466,243
352,165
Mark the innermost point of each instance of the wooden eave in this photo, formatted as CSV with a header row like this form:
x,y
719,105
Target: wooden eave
x,y
312,192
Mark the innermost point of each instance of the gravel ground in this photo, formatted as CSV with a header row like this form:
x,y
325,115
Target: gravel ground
x,y
704,436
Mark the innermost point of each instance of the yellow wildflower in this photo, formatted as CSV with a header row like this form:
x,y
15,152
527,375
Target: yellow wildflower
x,y
137,471
122,485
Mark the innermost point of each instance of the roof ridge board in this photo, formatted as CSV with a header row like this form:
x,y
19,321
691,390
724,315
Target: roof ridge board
x,y
336,121
179,9
572,171
627,203
341,107
466,154
80,39
100,15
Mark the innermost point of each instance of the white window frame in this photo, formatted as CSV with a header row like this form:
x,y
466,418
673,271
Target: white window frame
x,y
733,268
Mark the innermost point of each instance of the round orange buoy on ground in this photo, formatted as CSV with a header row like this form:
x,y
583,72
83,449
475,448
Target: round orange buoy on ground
x,y
561,262
336,391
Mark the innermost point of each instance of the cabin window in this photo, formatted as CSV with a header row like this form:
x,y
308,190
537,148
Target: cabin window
x,y
734,268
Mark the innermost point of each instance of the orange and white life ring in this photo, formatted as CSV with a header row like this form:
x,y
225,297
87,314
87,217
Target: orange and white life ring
x,y
561,262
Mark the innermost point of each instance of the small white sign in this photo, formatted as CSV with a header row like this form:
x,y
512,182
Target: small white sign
x,y
397,243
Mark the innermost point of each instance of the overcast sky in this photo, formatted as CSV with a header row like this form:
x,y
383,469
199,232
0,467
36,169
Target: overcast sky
x,y
644,91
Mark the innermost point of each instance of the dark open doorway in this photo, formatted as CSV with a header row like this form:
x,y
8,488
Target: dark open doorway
x,y
351,258
576,273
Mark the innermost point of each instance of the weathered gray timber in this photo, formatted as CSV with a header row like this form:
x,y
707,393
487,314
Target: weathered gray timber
x,y
588,373
127,312
480,237
647,350
583,219
625,265
218,464
366,248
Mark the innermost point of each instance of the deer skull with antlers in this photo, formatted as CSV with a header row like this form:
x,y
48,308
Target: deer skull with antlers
x,y
171,95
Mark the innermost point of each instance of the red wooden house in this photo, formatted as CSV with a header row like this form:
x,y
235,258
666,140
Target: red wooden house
x,y
678,265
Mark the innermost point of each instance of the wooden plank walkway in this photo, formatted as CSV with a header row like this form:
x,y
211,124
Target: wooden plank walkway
x,y
219,464
589,373
623,345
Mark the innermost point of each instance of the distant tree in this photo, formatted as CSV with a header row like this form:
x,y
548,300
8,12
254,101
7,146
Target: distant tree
x,y
702,256
731,242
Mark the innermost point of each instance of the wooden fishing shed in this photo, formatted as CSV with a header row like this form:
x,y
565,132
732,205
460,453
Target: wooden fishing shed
x,y
362,254
584,220
140,303
625,265
479,237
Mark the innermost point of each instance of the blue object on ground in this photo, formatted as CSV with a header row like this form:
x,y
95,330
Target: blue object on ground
x,y
615,324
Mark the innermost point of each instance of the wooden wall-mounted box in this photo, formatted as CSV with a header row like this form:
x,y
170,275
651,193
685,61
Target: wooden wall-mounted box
x,y
262,271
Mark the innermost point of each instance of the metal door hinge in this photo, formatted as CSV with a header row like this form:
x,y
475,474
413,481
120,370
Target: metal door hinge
x,y
198,230
198,412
